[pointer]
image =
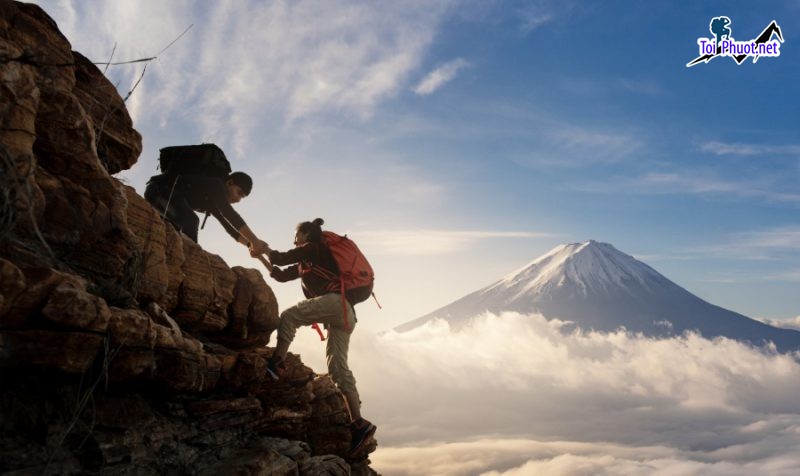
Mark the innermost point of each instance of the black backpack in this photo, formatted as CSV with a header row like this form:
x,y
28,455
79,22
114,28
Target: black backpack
x,y
204,159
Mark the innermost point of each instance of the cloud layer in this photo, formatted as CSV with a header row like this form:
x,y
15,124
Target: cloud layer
x,y
515,395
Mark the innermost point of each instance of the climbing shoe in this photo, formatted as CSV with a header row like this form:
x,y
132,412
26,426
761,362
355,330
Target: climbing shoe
x,y
361,431
275,368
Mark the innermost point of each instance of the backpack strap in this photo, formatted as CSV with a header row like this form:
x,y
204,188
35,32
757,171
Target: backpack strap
x,y
315,326
169,199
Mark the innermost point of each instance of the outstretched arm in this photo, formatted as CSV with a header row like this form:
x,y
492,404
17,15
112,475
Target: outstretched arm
x,y
284,275
295,255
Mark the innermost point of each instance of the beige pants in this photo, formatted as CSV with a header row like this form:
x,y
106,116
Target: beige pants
x,y
326,310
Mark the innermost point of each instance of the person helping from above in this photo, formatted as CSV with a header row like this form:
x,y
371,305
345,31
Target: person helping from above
x,y
313,262
198,178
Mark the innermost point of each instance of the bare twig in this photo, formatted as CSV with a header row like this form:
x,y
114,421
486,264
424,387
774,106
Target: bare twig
x,y
175,40
140,60
141,76
113,50
146,60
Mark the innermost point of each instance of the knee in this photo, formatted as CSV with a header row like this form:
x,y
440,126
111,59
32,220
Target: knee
x,y
344,380
287,325
288,315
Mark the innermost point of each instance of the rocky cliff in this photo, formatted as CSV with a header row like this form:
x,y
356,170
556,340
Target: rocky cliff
x,y
125,348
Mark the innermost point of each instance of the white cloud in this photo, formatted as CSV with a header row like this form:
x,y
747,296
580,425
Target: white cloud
x,y
515,393
738,148
792,323
536,14
440,76
433,242
641,86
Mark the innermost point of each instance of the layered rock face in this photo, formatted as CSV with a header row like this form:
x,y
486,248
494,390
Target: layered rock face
x,y
125,348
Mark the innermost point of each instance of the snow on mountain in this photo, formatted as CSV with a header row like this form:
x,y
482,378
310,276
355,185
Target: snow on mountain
x,y
597,287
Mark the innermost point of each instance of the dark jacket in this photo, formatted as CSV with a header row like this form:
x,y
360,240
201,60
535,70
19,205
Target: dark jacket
x,y
302,259
200,193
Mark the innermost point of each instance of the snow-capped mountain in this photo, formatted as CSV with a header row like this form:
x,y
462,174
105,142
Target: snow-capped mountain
x,y
598,287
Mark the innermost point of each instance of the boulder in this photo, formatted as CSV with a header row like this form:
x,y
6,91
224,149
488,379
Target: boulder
x,y
206,291
253,312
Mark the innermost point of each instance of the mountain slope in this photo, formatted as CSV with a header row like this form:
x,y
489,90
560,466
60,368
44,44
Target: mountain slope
x,y
597,287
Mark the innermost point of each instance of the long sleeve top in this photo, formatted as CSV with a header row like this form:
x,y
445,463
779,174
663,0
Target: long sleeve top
x,y
301,260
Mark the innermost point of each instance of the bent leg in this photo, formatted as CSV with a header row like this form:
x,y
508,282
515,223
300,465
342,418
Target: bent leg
x,y
303,313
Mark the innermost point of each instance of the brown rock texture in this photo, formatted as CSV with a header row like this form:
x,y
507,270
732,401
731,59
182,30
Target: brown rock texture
x,y
125,348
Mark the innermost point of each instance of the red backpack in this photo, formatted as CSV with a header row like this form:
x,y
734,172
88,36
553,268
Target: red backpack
x,y
355,279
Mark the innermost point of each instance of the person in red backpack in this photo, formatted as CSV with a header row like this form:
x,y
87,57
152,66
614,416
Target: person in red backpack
x,y
323,306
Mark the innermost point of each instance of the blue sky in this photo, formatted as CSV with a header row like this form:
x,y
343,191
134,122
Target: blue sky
x,y
456,141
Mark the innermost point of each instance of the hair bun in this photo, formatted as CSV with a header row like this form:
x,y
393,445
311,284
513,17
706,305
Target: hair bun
x,y
318,221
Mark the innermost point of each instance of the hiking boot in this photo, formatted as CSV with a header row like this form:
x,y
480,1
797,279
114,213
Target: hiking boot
x,y
361,431
275,368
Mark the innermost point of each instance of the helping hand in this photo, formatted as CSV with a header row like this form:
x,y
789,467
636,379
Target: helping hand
x,y
259,248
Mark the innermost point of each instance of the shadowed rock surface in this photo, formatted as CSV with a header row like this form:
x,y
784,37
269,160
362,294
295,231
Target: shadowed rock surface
x,y
125,348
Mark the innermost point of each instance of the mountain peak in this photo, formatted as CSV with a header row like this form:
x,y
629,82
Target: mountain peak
x,y
588,266
597,287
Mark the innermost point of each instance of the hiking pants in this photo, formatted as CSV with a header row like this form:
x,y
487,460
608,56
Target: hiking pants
x,y
326,309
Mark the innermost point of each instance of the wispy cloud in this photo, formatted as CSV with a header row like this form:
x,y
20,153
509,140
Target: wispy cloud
x,y
777,238
688,183
434,242
536,14
642,86
599,141
776,249
440,76
772,244
738,148
569,146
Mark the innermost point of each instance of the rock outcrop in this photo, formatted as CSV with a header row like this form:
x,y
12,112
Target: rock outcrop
x,y
124,346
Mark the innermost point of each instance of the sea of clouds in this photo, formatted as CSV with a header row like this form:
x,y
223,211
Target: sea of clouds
x,y
513,394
